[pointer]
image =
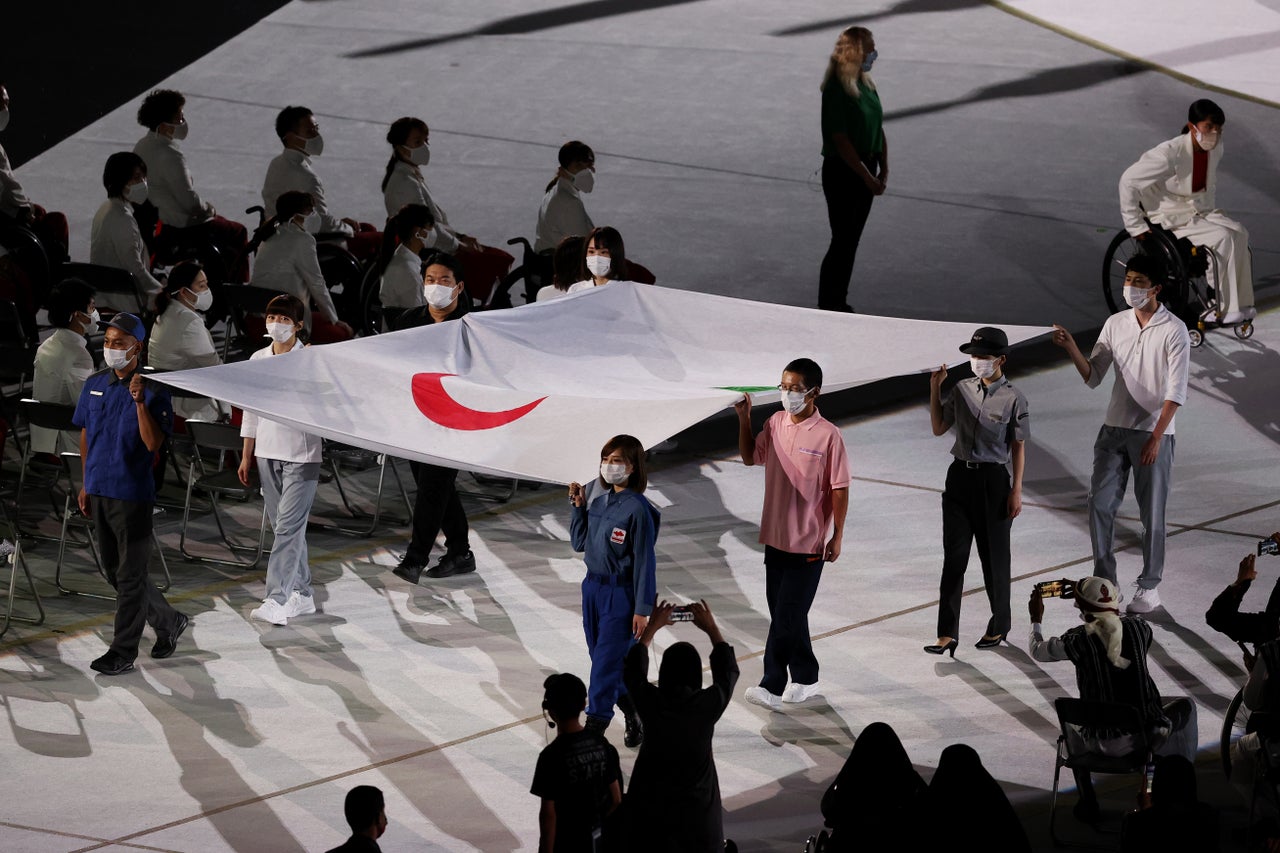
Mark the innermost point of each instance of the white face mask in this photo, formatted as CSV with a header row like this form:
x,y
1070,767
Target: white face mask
x,y
424,236
280,332
314,146
1137,297
93,320
793,402
4,118
136,193
614,473
201,301
1208,141
585,181
599,265
116,358
421,155
180,131
982,367
311,223
438,295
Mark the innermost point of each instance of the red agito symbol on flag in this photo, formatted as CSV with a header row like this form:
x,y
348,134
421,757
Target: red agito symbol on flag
x,y
435,403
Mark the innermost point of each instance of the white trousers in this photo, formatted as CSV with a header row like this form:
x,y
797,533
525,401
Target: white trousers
x,y
1230,242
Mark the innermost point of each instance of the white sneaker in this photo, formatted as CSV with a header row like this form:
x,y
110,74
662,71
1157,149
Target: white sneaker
x,y
1143,601
800,692
763,698
270,611
299,605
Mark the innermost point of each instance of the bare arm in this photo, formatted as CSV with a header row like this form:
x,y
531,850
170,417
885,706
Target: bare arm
x,y
148,429
1064,339
839,509
1151,449
935,400
746,440
246,460
83,498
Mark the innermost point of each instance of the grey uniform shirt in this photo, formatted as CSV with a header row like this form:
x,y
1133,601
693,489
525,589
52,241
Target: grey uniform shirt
x,y
988,419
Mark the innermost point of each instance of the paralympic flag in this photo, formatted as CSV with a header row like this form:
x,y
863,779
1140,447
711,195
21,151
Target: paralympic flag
x,y
534,392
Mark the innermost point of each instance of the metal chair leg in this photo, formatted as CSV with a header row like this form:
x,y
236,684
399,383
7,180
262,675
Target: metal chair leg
x,y
16,559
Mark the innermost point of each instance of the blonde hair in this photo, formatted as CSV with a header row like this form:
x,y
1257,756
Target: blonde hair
x,y
858,38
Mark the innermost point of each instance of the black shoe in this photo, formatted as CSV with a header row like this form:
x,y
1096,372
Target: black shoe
x,y
948,649
596,724
167,642
844,309
989,642
111,664
409,569
634,735
453,564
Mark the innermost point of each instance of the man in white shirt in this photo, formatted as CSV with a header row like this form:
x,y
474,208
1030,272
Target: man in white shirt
x,y
172,188
114,238
292,171
63,362
49,226
1151,351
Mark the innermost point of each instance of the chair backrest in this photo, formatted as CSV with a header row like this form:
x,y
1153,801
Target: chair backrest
x,y
1089,715
28,253
47,415
14,332
73,467
114,288
211,435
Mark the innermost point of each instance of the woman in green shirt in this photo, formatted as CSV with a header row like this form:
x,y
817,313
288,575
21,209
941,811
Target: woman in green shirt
x,y
855,164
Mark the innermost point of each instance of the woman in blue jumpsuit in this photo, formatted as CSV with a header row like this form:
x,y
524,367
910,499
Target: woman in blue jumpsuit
x,y
616,527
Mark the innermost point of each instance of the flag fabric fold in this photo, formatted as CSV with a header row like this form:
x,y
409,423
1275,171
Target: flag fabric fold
x,y
534,392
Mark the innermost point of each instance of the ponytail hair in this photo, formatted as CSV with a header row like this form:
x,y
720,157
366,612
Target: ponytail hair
x,y
180,276
398,134
288,205
400,230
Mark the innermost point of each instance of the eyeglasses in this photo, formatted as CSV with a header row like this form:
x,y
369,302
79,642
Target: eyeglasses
x,y
797,389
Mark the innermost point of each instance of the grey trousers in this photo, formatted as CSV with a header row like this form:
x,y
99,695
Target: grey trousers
x,y
1115,453
289,488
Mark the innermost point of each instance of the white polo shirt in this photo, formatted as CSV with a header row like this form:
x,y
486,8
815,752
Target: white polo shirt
x,y
277,441
62,365
1152,365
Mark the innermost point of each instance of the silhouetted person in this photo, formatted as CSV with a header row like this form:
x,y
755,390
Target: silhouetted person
x,y
965,808
1177,820
366,814
870,800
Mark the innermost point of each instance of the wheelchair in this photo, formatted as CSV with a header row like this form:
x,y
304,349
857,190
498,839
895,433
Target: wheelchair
x,y
1186,292
535,270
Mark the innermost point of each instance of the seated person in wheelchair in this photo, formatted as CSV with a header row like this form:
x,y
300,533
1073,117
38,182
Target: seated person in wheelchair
x,y
404,184
180,340
114,238
1173,186
400,261
49,226
172,189
291,170
1110,655
1262,688
566,268
562,213
63,361
287,262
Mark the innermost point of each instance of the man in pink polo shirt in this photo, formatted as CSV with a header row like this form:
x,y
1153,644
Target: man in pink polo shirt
x,y
806,496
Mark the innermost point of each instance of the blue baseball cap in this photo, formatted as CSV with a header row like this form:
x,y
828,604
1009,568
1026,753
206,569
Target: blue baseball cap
x,y
129,324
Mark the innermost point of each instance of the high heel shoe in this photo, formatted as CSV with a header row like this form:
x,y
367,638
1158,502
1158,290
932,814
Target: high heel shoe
x,y
948,649
989,642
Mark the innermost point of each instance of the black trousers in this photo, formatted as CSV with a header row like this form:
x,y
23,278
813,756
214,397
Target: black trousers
x,y
123,532
975,509
790,585
437,508
848,206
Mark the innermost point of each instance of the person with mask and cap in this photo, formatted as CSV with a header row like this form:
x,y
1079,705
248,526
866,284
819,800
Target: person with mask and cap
x,y
615,527
437,505
287,261
292,171
49,226
172,188
1151,351
114,238
1174,186
806,498
1110,655
562,213
577,776
289,471
123,422
673,801
980,501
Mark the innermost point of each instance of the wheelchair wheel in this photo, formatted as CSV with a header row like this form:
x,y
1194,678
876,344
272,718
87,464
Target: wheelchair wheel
x,y
1122,248
1234,726
1196,336
1244,331
342,275
370,303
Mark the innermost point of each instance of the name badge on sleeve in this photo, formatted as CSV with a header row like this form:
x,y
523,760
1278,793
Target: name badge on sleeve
x,y
618,536
95,393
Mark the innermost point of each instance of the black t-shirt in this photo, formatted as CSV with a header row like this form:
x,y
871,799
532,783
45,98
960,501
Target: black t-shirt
x,y
412,318
575,771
